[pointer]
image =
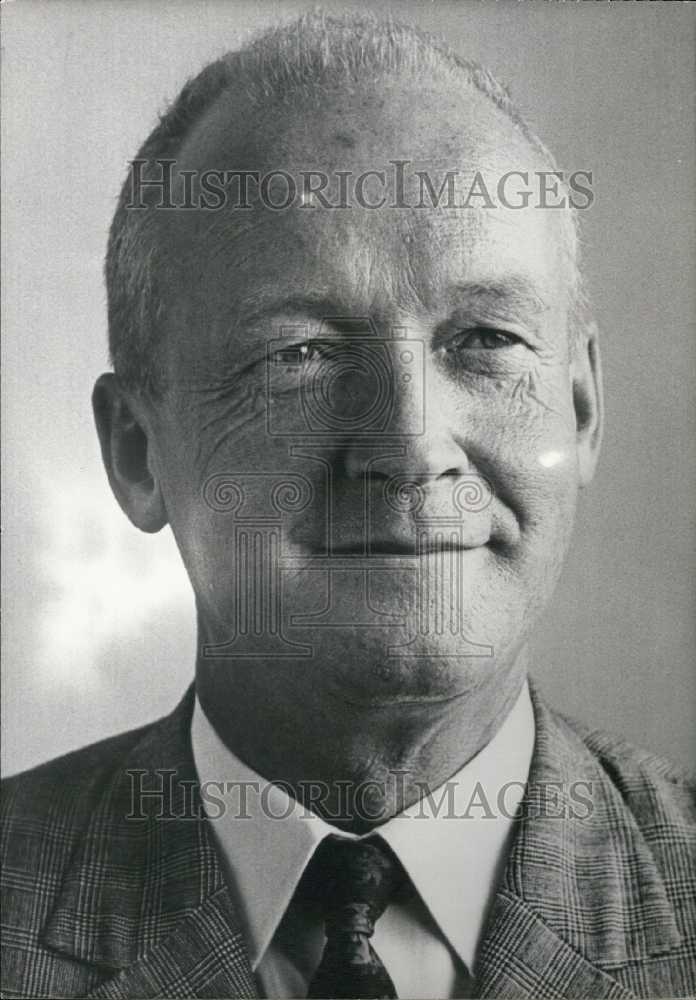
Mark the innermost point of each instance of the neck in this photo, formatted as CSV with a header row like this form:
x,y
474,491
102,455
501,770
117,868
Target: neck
x,y
356,765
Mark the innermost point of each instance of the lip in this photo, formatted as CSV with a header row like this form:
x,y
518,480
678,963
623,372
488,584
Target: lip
x,y
399,548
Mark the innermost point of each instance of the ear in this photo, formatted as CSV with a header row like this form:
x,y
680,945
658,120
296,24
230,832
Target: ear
x,y
588,401
127,452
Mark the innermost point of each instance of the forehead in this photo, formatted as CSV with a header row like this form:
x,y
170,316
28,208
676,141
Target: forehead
x,y
388,259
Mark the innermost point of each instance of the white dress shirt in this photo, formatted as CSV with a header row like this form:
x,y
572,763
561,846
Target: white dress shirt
x,y
453,844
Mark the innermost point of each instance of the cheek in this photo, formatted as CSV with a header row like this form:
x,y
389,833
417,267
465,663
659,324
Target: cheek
x,y
525,438
533,469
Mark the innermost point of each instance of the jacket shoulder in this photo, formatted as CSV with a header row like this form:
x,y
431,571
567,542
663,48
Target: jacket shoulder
x,y
659,794
54,784
636,770
45,810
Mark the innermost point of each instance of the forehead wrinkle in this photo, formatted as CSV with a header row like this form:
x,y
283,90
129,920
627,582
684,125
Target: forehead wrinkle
x,y
416,286
219,235
354,280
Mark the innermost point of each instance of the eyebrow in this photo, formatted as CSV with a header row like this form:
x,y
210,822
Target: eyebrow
x,y
514,292
268,303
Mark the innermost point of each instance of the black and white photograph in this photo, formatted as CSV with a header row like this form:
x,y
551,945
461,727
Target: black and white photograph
x,y
348,475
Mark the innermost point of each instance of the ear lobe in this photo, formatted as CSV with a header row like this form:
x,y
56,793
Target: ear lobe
x,y
588,401
127,454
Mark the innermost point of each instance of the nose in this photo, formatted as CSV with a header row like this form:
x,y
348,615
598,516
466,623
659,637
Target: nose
x,y
418,438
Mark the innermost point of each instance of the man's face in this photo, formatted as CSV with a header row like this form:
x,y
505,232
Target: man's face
x,y
405,373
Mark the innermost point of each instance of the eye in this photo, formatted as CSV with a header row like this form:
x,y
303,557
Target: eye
x,y
485,338
297,355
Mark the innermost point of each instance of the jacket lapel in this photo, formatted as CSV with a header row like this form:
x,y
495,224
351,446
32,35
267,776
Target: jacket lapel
x,y
581,895
146,898
522,957
202,956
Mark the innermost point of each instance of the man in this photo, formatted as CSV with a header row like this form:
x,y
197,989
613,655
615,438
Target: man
x,y
365,403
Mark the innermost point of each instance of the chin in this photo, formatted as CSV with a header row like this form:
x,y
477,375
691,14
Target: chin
x,y
379,667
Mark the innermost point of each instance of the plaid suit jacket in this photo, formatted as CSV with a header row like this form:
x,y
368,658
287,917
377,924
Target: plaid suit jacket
x,y
98,904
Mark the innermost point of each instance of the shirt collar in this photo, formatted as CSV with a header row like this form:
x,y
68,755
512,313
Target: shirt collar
x,y
458,834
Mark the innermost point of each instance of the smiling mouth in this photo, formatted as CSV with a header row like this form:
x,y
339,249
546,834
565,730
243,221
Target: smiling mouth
x,y
399,548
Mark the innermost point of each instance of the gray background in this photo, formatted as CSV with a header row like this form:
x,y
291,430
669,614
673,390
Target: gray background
x,y
98,620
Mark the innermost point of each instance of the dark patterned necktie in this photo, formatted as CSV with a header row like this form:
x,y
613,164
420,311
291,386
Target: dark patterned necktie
x,y
354,882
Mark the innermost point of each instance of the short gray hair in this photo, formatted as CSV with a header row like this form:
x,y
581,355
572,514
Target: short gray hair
x,y
314,52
